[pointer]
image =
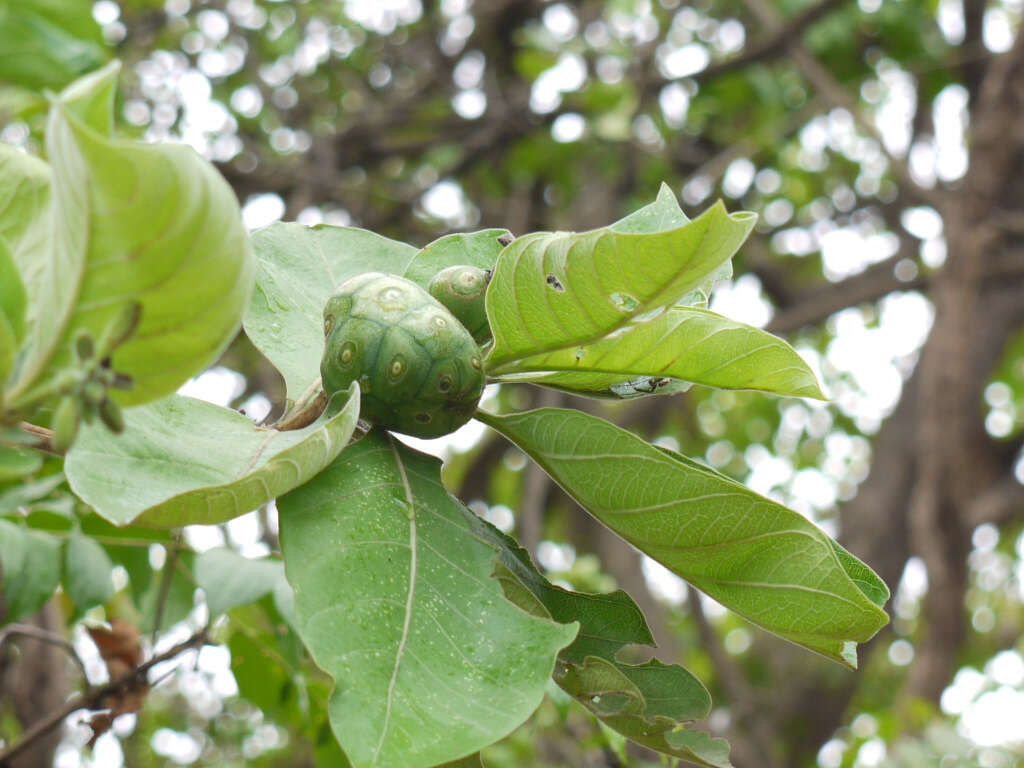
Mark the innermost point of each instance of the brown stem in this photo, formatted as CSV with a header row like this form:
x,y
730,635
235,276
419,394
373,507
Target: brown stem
x,y
94,698
36,633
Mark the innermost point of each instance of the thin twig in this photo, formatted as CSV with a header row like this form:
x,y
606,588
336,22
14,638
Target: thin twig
x,y
44,434
36,633
93,699
165,589
34,429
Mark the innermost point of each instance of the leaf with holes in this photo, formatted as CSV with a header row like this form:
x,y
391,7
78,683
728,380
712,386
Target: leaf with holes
x,y
183,461
664,214
559,291
394,600
765,562
685,343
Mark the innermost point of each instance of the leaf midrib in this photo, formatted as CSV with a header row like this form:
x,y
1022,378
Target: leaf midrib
x,y
407,622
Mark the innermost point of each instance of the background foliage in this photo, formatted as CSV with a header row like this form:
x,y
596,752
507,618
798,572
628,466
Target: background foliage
x,y
879,141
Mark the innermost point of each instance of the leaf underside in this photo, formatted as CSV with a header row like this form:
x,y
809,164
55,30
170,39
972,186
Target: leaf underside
x,y
756,557
226,467
682,343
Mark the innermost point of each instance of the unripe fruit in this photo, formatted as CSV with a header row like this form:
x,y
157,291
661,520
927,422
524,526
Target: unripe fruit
x,y
419,370
111,415
462,290
66,420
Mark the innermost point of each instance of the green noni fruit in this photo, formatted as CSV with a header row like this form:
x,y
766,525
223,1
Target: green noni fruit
x,y
462,290
418,368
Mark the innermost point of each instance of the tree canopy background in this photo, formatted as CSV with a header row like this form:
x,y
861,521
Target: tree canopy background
x,y
882,144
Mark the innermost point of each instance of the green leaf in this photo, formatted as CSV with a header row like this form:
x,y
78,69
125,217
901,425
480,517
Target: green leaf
x,y
87,569
30,564
230,580
39,53
646,702
395,601
556,291
261,678
161,210
12,292
603,385
18,462
8,350
661,215
28,493
12,312
762,560
477,249
24,240
298,269
694,345
470,761
182,461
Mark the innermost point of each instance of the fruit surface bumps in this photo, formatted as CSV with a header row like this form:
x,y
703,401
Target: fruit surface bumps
x,y
462,289
418,368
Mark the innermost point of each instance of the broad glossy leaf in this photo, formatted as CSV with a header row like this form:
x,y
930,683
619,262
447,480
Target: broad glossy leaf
x,y
477,249
135,223
87,573
298,269
30,561
230,580
645,702
554,291
41,52
762,560
394,600
691,344
183,461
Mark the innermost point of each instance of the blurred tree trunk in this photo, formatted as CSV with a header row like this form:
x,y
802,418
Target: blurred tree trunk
x,y
34,683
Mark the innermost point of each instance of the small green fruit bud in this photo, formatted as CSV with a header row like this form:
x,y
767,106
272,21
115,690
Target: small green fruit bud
x,y
66,420
85,347
462,290
111,415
